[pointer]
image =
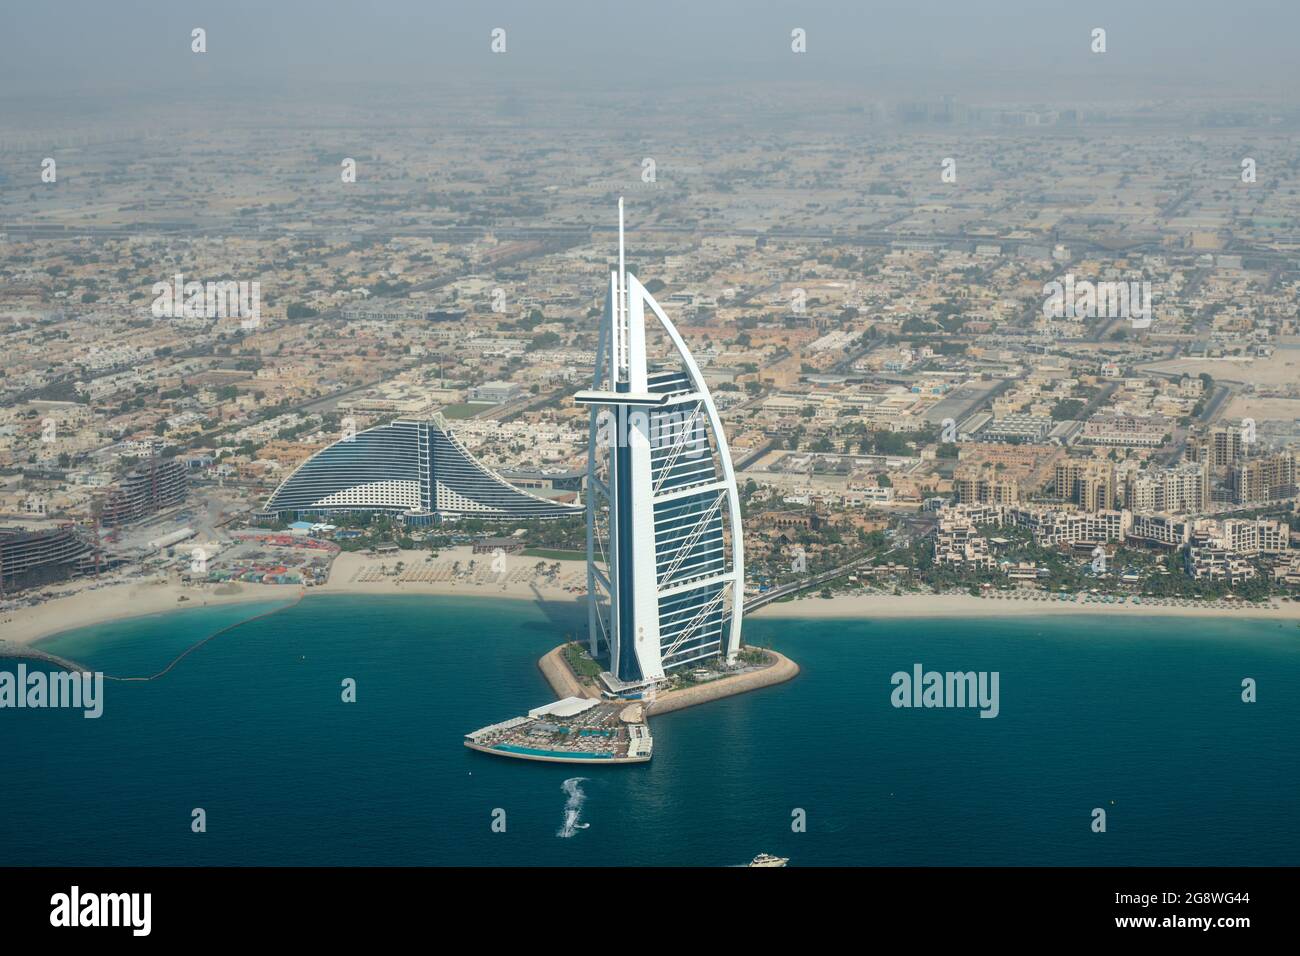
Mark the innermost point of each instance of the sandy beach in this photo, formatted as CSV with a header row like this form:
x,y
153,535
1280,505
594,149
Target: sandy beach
x,y
455,571
966,605
459,572
357,573
133,598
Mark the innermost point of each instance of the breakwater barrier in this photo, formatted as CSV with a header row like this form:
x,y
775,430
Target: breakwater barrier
x,y
24,652
215,634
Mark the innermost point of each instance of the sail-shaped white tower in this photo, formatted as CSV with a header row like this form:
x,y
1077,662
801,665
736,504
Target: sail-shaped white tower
x,y
665,552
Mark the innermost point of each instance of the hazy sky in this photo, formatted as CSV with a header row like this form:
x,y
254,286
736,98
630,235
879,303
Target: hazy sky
x,y
982,49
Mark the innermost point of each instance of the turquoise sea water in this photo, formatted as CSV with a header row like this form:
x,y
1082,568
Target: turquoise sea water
x,y
1144,712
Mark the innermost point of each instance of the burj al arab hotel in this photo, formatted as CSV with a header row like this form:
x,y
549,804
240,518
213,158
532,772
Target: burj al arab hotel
x,y
665,559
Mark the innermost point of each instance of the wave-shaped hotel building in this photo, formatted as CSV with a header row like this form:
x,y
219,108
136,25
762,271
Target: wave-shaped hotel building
x,y
417,470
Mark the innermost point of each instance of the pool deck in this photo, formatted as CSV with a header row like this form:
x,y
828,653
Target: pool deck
x,y
572,730
556,758
513,738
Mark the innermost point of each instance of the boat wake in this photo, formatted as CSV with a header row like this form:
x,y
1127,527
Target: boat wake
x,y
573,807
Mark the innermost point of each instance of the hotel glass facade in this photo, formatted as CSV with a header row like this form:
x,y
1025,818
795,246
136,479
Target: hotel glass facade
x,y
664,544
411,468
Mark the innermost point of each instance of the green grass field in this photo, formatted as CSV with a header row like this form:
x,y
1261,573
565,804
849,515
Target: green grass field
x,y
581,662
550,554
453,412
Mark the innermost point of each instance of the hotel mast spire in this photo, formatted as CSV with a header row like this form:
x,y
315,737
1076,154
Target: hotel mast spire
x,y
621,357
622,268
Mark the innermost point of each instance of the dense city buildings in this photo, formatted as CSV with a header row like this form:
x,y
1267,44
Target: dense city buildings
x,y
877,343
